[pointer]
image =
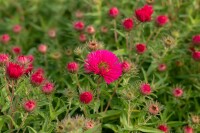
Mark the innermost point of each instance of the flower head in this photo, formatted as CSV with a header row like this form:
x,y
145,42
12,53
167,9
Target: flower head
x,y
16,50
162,20
90,29
48,88
162,67
196,39
79,25
163,127
128,24
4,58
140,48
72,67
37,78
144,14
188,129
29,105
105,64
52,33
154,108
178,92
145,89
196,55
17,28
5,38
86,97
126,66
42,48
82,37
113,12
23,60
14,70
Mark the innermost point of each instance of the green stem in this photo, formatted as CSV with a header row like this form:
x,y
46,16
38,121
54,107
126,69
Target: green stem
x,y
23,120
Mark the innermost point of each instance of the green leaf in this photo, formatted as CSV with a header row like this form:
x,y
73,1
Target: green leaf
x,y
147,129
31,129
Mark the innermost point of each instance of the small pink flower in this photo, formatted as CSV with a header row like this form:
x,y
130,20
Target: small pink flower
x,y
37,78
42,48
113,12
144,14
17,28
86,97
48,88
126,66
162,67
196,39
162,20
154,108
196,55
29,105
5,38
79,25
140,48
188,129
28,68
90,29
128,24
72,67
4,58
104,29
16,50
82,37
145,89
178,92
52,33
103,63
30,58
163,128
89,124
22,59
79,14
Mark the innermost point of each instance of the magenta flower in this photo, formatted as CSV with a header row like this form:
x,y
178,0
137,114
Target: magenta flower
x,y
104,63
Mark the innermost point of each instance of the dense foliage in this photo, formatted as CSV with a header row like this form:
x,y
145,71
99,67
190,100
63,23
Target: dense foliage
x,y
124,66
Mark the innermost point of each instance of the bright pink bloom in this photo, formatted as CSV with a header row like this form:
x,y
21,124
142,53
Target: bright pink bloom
x,y
140,48
188,129
14,70
42,48
126,66
79,25
16,50
48,88
4,58
196,55
17,28
90,29
196,39
178,92
82,37
37,78
163,128
72,67
105,64
145,89
30,105
162,67
30,58
144,14
86,97
128,24
162,20
113,12
5,38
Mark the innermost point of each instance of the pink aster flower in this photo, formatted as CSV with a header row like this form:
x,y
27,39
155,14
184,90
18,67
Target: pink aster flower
x,y
144,14
4,58
104,63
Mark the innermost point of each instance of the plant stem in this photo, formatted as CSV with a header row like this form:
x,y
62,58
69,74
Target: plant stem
x,y
23,120
78,83
115,30
129,112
